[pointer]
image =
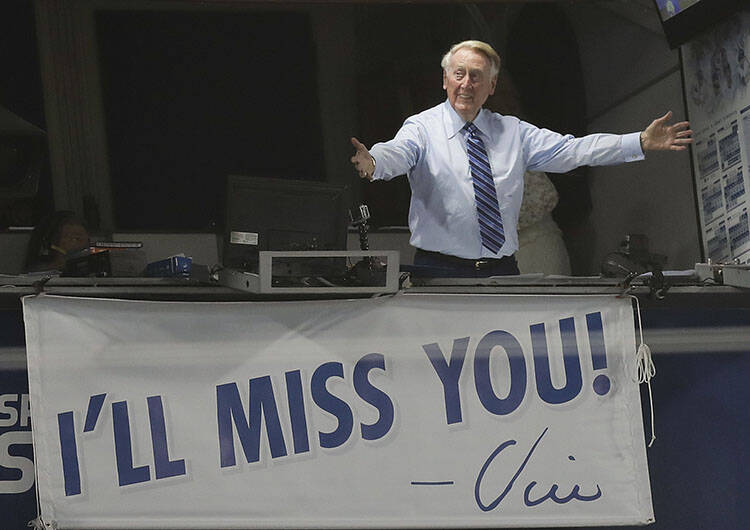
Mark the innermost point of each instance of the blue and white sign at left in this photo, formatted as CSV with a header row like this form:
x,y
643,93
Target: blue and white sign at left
x,y
413,410
17,491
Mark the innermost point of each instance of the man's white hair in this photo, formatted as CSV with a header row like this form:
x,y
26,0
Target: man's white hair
x,y
478,46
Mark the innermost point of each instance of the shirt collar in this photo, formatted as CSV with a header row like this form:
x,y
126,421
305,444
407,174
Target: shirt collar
x,y
454,123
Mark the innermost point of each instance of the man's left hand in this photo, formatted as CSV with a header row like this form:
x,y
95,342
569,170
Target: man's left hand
x,y
659,136
363,161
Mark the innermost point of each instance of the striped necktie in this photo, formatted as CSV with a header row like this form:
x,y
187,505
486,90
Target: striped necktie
x,y
485,195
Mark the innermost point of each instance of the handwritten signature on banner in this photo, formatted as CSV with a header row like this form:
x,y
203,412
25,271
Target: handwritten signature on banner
x,y
528,501
262,415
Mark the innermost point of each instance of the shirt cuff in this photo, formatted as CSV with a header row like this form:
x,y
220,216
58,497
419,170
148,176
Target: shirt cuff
x,y
378,173
631,147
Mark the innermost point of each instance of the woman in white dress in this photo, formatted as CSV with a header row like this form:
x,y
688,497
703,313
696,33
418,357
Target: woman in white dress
x,y
540,243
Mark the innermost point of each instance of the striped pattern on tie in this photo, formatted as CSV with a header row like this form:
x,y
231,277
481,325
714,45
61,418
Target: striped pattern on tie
x,y
485,195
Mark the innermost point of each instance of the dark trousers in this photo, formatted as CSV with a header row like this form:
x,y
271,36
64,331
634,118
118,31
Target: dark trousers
x,y
437,265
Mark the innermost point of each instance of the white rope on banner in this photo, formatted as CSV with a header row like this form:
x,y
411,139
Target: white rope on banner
x,y
38,524
644,368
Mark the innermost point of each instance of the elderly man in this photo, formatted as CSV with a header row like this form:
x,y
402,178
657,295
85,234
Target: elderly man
x,y
465,166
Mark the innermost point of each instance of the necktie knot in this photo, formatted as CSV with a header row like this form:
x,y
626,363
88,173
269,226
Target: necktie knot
x,y
471,128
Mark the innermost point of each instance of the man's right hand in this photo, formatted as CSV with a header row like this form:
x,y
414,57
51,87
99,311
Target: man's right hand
x,y
363,162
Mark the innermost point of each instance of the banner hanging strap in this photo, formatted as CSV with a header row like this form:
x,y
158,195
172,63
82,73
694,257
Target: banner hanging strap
x,y
644,368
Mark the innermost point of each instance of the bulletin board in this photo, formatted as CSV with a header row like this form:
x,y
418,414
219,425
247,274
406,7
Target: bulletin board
x,y
717,74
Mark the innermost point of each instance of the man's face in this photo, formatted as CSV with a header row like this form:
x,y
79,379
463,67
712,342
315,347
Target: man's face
x,y
468,82
73,236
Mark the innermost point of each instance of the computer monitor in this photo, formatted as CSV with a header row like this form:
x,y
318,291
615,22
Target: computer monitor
x,y
22,152
682,20
282,214
21,158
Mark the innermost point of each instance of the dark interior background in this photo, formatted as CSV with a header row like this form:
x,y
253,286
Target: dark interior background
x,y
21,94
191,97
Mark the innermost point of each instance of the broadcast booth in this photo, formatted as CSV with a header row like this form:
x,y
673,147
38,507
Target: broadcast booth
x,y
304,373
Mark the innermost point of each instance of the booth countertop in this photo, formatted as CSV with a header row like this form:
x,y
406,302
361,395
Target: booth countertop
x,y
682,290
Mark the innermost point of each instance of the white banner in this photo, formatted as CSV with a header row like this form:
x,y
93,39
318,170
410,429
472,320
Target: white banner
x,y
414,410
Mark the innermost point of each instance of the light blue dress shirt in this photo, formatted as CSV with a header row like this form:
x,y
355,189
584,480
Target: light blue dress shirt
x,y
430,148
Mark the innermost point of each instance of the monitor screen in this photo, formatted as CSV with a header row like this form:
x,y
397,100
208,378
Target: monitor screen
x,y
20,163
669,8
683,20
282,214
